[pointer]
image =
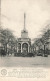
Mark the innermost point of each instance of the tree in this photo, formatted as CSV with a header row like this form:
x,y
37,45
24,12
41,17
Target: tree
x,y
7,39
45,39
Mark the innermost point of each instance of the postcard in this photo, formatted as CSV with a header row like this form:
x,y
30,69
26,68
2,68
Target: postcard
x,y
24,40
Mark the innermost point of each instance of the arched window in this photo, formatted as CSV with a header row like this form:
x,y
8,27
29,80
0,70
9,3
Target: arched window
x,y
25,47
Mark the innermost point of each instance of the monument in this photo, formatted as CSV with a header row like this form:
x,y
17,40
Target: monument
x,y
24,43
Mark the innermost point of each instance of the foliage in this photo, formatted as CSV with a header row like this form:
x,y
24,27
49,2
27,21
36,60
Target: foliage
x,y
7,39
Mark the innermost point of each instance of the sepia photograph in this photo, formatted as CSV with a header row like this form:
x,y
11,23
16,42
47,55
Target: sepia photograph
x,y
24,34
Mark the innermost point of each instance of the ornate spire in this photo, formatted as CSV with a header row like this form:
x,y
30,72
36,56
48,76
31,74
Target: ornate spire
x,y
24,32
24,21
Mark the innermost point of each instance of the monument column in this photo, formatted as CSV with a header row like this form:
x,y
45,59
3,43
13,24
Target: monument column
x,y
28,48
21,47
17,47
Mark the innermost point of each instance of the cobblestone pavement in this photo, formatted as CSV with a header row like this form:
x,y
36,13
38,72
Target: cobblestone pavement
x,y
37,61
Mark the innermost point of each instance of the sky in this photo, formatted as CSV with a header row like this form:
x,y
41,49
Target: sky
x,y
37,16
